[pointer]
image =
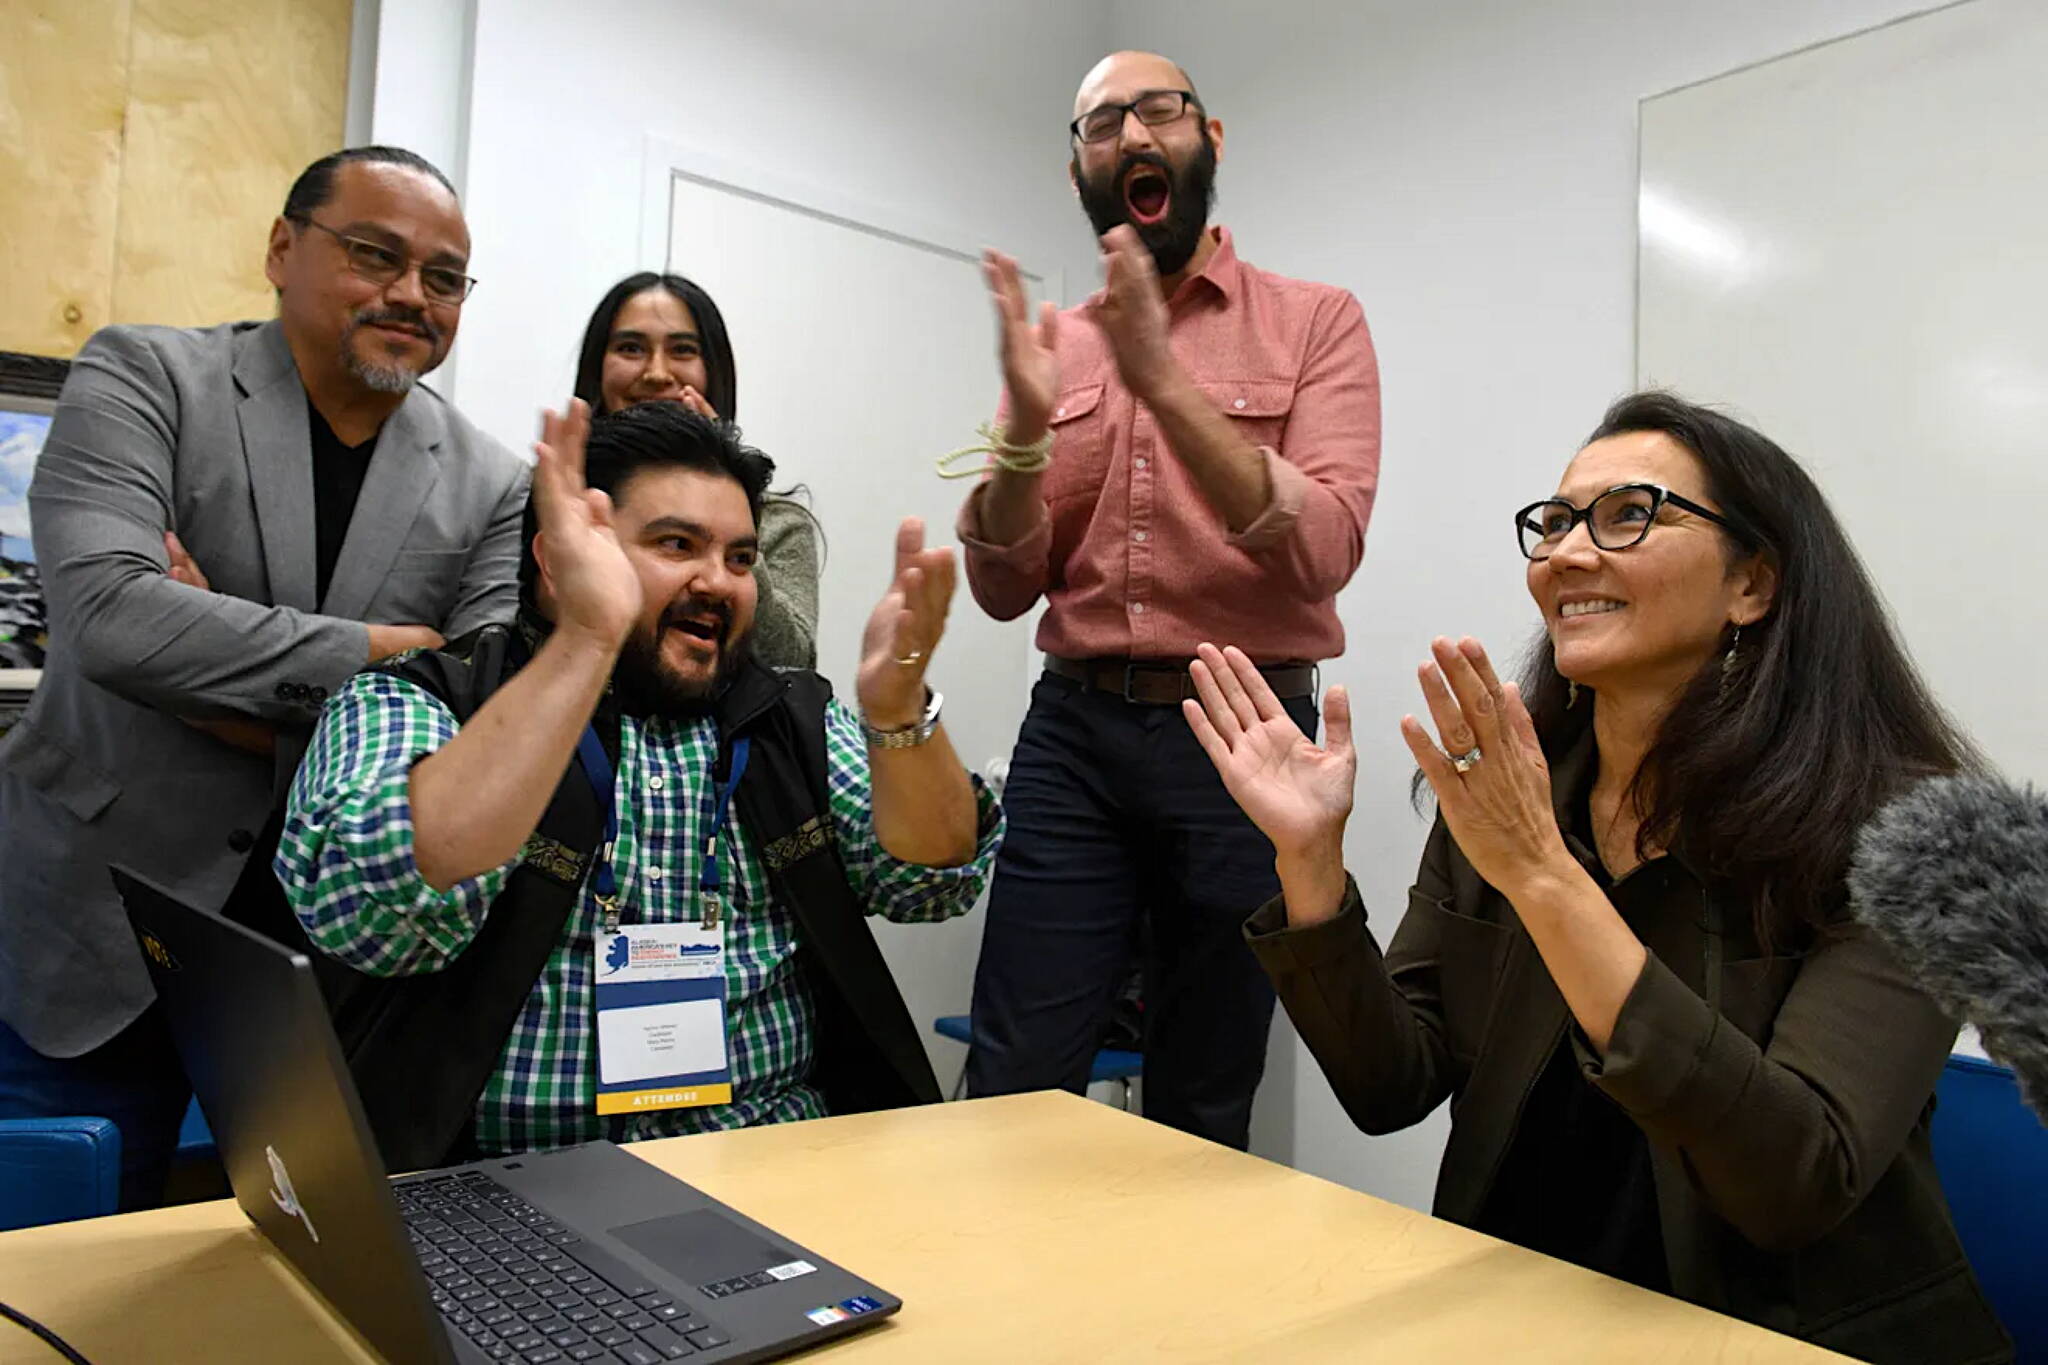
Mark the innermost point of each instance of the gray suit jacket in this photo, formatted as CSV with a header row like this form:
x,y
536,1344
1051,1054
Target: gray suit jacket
x,y
204,432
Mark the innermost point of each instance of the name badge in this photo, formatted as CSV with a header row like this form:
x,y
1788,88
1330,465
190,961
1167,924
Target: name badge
x,y
661,1019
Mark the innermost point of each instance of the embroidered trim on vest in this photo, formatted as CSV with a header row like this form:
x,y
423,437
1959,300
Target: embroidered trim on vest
x,y
800,843
553,859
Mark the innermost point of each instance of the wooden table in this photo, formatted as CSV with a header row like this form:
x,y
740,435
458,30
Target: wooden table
x,y
1032,1228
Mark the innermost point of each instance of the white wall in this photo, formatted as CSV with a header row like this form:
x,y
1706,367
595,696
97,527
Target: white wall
x,y
946,113
1468,169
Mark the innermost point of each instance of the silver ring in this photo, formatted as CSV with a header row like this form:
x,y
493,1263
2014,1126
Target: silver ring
x,y
1466,761
912,659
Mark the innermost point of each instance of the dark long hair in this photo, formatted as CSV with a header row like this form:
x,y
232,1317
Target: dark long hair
x,y
1763,781
721,381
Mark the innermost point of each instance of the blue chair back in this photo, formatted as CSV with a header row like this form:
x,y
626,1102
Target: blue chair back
x,y
1993,1157
54,1170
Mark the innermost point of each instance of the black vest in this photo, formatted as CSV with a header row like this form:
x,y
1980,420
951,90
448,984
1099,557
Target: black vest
x,y
422,1047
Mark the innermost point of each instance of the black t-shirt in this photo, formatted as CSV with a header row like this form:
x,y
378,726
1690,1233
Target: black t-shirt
x,y
1576,1182
337,482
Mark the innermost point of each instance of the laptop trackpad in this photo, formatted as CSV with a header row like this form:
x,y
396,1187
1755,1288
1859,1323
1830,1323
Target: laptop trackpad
x,y
702,1246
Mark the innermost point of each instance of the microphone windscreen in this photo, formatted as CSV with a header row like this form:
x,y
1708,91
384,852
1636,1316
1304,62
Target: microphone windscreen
x,y
1953,875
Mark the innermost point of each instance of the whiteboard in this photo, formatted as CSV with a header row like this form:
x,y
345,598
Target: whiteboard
x,y
1848,246
865,349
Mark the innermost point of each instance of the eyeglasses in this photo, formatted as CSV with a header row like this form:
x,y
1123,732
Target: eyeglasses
x,y
383,265
1153,108
1617,519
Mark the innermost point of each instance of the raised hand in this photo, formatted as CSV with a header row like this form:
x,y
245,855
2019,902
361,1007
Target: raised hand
x,y
1499,808
1027,350
1132,313
1297,792
903,631
697,403
589,579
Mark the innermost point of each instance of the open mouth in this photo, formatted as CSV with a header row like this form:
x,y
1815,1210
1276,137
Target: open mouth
x,y
705,629
1573,611
1147,196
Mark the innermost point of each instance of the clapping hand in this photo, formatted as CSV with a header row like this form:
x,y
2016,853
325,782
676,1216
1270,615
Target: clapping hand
x,y
1028,351
903,631
1297,792
1491,779
594,587
1132,313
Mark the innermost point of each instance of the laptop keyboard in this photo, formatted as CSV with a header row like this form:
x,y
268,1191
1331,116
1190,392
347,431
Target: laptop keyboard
x,y
522,1287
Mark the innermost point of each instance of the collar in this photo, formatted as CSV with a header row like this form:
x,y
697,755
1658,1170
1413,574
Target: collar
x,y
1223,271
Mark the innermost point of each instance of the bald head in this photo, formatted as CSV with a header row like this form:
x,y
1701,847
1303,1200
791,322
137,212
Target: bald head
x,y
1121,75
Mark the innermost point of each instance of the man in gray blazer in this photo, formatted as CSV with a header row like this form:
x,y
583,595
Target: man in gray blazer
x,y
230,522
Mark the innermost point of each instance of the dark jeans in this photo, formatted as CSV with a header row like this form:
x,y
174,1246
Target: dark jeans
x,y
135,1079
1121,836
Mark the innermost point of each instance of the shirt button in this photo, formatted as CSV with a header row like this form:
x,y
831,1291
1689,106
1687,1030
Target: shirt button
x,y
1062,412
1238,404
654,784
1139,462
654,874
1138,536
1137,608
241,840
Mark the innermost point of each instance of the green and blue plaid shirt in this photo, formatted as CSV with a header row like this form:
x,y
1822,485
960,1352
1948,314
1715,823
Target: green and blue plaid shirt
x,y
346,862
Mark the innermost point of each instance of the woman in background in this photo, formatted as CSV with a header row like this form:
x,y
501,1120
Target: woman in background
x,y
1626,958
660,337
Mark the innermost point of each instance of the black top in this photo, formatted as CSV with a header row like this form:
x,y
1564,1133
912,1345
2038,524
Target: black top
x,y
1576,1181
337,482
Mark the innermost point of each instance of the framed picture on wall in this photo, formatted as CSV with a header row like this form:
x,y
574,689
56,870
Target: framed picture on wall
x,y
28,396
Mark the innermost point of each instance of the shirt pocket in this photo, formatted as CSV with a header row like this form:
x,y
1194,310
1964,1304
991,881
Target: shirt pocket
x,y
1257,408
1080,443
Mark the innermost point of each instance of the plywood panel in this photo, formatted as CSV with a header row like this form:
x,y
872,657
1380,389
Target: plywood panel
x,y
228,101
63,86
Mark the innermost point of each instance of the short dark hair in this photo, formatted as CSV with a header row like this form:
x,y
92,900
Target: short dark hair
x,y
721,381
315,185
663,434
1763,779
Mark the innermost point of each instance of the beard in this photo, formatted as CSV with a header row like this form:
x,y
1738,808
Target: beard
x,y
389,376
1173,239
647,686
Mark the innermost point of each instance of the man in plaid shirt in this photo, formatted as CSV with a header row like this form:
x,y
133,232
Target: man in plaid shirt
x,y
405,828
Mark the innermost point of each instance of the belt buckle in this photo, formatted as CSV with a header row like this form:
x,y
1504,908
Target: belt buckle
x,y
1130,673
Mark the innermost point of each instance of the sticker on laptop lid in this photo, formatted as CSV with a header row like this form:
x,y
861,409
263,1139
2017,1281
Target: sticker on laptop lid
x,y
791,1270
841,1311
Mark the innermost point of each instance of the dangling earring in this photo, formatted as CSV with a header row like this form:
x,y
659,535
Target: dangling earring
x,y
1728,664
1571,696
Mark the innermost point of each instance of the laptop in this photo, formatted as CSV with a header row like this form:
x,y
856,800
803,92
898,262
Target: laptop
x,y
583,1254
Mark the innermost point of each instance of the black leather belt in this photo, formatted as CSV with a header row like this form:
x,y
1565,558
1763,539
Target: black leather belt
x,y
1166,682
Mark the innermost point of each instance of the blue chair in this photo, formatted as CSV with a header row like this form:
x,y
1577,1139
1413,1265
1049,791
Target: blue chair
x,y
195,1139
55,1170
1993,1157
1111,1064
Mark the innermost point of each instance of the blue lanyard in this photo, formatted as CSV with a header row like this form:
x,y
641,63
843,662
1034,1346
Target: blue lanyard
x,y
597,767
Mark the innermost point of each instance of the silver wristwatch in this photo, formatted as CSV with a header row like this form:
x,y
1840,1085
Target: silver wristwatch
x,y
912,735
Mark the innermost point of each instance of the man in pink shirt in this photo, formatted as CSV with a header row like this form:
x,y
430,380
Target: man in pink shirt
x,y
1215,450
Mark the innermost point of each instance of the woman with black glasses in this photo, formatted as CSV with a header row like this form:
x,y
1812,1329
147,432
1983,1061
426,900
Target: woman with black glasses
x,y
655,338
1626,959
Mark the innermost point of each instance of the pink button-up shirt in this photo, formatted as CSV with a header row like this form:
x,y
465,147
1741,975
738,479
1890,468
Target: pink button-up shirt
x,y
1131,557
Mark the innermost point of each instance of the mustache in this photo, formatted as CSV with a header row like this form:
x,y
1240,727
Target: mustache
x,y
397,317
1130,161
